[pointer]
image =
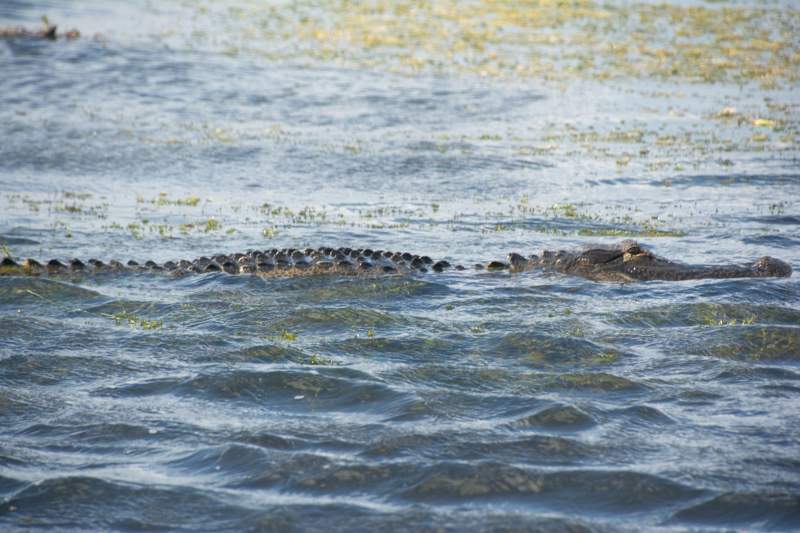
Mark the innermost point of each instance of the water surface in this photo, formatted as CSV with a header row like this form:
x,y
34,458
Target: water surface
x,y
458,401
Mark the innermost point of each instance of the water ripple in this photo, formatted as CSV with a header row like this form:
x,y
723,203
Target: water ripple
x,y
771,511
76,502
465,400
604,491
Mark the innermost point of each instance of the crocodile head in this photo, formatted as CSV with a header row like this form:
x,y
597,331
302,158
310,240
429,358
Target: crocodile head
x,y
629,261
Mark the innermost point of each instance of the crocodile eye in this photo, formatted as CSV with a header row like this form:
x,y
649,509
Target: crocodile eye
x,y
630,246
638,256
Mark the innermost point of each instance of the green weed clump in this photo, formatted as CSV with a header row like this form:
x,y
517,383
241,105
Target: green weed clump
x,y
136,322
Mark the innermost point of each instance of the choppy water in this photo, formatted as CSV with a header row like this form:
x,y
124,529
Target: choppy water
x,y
460,401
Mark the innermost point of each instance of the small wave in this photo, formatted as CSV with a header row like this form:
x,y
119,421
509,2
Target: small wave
x,y
27,290
595,381
424,164
780,391
732,180
772,241
601,490
227,461
552,351
16,401
9,485
321,519
556,417
201,284
82,503
133,307
756,374
315,473
23,332
60,365
319,289
404,445
331,320
783,220
769,511
90,433
141,389
645,415
471,379
15,241
412,410
271,441
751,343
698,397
780,291
291,389
534,449
401,349
459,405
477,382
708,314
261,353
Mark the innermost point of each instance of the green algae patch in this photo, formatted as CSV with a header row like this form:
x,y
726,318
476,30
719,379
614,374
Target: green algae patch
x,y
595,381
74,205
559,417
163,199
318,360
617,232
382,346
712,315
546,39
546,351
758,344
283,336
212,224
136,322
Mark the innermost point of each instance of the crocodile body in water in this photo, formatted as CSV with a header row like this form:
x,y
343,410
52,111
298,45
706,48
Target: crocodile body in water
x,y
49,32
624,262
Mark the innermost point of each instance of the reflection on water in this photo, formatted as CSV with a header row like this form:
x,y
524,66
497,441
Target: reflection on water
x,y
453,401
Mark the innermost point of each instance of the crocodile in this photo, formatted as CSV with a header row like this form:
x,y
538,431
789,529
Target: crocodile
x,y
624,262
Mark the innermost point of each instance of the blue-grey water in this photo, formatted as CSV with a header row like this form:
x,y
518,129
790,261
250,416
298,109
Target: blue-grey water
x,y
430,402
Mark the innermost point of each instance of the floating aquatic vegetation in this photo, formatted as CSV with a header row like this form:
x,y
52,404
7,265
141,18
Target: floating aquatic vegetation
x,y
134,321
546,39
164,199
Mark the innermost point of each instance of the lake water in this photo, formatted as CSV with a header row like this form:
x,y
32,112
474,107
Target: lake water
x,y
429,402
